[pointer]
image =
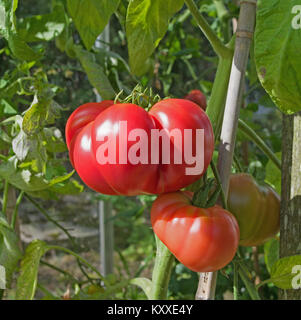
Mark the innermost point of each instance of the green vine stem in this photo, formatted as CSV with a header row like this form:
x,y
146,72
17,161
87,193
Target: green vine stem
x,y
4,199
263,283
252,135
237,163
220,49
79,258
65,273
46,292
15,213
218,179
235,281
249,285
48,217
224,17
162,271
216,105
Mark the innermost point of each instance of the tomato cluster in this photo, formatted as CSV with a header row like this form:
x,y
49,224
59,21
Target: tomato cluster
x,y
203,239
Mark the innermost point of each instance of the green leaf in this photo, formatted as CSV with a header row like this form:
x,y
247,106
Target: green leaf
x,y
95,73
54,140
17,45
7,107
43,27
37,153
42,111
25,180
277,52
271,253
286,272
145,284
9,249
20,49
102,294
61,178
91,17
146,24
22,179
70,187
28,278
273,174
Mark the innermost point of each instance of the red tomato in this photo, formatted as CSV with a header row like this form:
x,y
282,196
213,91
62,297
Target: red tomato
x,y
204,240
96,134
198,97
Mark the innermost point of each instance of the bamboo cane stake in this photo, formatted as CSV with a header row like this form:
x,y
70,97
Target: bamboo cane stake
x,y
244,34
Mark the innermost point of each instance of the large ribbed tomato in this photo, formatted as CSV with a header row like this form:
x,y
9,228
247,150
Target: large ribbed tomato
x,y
204,240
98,132
256,208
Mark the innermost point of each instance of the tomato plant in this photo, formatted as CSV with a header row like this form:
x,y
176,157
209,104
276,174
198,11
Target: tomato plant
x,y
56,55
256,208
91,124
203,239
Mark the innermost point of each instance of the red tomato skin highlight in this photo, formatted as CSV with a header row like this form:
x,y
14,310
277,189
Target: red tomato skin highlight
x,y
83,115
85,164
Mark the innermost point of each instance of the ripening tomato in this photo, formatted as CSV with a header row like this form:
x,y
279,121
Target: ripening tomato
x,y
256,208
198,97
123,149
204,240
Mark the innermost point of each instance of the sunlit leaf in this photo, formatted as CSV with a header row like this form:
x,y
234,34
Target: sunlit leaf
x,y
146,24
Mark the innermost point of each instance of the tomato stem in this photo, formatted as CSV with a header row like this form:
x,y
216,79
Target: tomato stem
x,y
225,18
254,137
216,104
249,285
218,180
15,213
5,197
237,163
162,271
78,257
235,281
216,43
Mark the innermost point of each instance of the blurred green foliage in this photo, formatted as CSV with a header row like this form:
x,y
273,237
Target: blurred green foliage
x,y
183,61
